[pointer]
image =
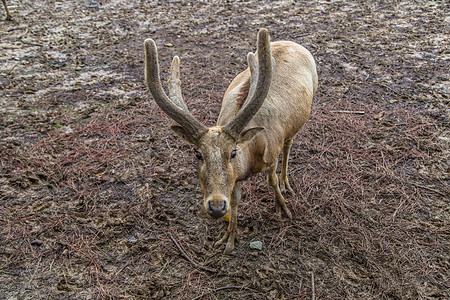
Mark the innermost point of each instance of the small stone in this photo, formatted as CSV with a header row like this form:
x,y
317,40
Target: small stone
x,y
36,243
257,245
131,241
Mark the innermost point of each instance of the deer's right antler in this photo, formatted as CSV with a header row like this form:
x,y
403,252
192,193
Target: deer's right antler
x,y
174,107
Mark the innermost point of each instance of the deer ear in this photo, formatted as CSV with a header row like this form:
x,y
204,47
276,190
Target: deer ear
x,y
181,132
249,134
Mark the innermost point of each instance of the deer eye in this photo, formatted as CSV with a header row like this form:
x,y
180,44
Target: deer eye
x,y
198,155
233,154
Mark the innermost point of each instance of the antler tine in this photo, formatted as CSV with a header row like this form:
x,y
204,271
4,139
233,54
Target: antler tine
x,y
259,93
251,61
177,112
174,83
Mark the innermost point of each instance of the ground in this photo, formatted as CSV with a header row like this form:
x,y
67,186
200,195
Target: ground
x,y
100,199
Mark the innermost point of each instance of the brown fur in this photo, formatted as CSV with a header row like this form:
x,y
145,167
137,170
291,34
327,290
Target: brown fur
x,y
243,93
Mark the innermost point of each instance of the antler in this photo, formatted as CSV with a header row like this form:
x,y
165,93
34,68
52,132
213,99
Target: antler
x,y
174,83
256,96
174,107
251,61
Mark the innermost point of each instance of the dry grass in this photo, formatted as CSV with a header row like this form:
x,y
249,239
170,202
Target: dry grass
x,y
94,188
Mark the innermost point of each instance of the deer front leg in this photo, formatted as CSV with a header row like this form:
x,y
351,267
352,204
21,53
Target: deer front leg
x,y
284,181
280,203
230,235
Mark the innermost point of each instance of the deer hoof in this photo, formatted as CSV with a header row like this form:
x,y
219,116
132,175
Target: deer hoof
x,y
287,212
229,247
286,189
282,207
229,238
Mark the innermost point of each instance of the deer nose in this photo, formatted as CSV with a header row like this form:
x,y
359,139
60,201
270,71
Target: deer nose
x,y
217,211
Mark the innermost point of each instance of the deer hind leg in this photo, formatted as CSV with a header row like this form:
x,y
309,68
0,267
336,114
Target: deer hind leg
x,y
280,203
230,235
284,181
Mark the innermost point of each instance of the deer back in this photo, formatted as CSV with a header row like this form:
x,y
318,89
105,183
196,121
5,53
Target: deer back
x,y
286,107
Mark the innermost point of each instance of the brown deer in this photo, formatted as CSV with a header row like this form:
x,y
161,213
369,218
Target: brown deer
x,y
262,110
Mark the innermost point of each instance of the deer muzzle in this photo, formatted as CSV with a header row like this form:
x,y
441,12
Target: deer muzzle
x,y
217,207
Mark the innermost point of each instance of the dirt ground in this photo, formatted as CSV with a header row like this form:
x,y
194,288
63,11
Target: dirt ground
x,y
95,188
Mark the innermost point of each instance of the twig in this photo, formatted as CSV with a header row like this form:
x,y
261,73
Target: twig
x,y
429,189
25,42
118,272
22,35
188,258
302,35
31,44
35,270
396,211
13,68
221,289
356,112
313,295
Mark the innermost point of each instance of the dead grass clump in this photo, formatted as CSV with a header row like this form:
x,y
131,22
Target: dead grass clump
x,y
364,206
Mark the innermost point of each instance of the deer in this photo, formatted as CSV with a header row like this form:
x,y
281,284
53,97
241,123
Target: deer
x,y
262,110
